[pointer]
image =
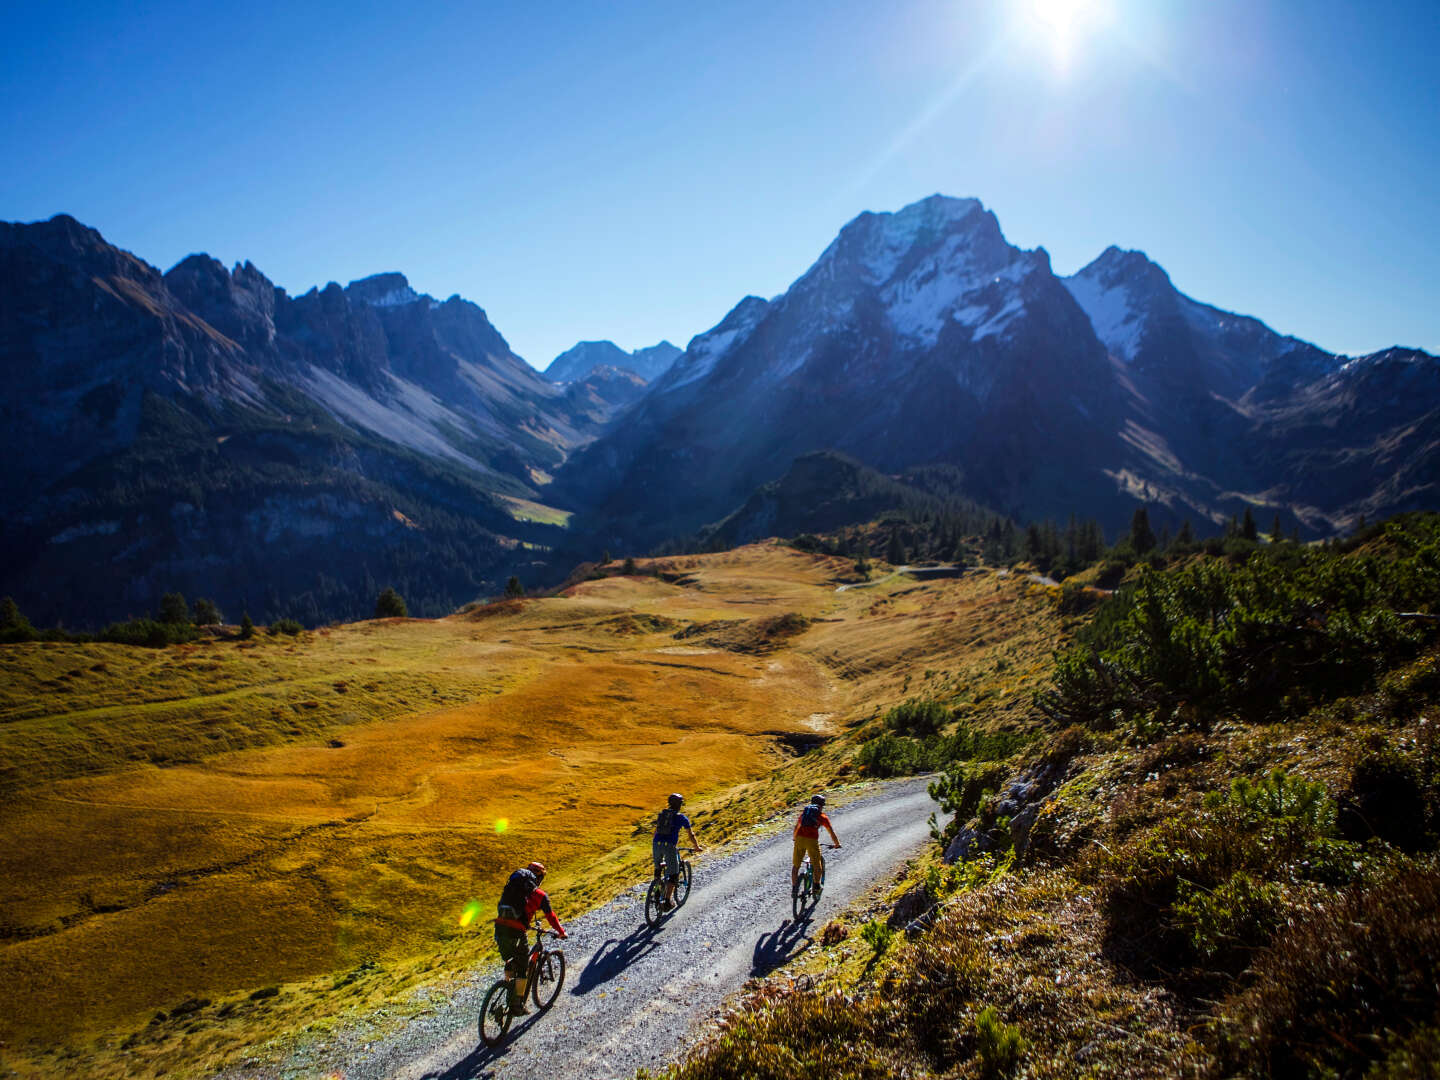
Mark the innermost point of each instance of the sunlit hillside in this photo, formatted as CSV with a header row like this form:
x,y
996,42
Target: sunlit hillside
x,y
210,845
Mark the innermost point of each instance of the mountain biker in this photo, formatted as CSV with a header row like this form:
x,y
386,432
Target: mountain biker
x,y
521,898
807,841
668,824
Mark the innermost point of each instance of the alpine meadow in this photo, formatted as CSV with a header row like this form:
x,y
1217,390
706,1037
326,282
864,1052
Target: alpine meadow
x,y
938,577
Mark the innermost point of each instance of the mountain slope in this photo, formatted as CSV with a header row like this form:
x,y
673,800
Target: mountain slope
x,y
917,337
202,430
922,336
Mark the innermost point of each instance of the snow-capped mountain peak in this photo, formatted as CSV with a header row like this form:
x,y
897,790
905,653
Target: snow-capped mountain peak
x,y
382,290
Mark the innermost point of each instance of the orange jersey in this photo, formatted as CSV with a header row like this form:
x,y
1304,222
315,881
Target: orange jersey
x,y
812,832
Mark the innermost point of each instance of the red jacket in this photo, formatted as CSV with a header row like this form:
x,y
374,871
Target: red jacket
x,y
538,901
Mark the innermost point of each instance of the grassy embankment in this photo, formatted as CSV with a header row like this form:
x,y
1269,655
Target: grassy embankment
x,y
209,848
1232,871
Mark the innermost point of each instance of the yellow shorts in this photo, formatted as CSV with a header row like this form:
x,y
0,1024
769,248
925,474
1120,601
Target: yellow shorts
x,y
807,845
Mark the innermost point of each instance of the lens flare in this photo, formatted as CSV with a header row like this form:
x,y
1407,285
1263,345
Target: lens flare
x,y
472,910
501,824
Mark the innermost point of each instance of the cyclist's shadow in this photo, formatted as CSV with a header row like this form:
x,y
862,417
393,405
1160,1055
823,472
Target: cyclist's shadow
x,y
778,946
476,1064
613,957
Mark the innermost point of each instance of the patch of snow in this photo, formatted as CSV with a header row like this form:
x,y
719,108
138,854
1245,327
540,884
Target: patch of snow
x,y
1000,320
395,297
706,350
1110,314
895,234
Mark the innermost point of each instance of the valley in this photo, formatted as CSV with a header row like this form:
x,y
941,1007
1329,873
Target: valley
x,y
286,829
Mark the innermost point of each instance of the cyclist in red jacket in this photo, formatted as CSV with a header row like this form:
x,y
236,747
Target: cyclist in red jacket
x,y
520,900
807,841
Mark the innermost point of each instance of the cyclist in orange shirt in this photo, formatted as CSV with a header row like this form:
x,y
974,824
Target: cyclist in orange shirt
x,y
807,841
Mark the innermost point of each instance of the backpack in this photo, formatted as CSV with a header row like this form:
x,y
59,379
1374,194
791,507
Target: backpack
x,y
810,816
665,822
517,892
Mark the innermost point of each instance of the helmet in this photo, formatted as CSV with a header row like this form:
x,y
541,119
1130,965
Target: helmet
x,y
818,800
538,869
675,800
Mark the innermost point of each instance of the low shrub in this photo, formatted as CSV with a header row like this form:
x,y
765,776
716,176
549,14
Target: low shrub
x,y
1349,987
918,716
1214,886
877,935
999,1044
1224,923
284,626
149,632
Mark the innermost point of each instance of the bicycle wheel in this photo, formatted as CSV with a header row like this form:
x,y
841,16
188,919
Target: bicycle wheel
x,y
682,885
654,897
495,1014
549,976
801,894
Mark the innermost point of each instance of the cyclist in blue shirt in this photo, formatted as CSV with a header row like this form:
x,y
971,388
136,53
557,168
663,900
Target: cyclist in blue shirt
x,y
668,824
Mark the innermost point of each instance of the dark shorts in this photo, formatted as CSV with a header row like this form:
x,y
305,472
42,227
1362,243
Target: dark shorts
x,y
666,857
514,948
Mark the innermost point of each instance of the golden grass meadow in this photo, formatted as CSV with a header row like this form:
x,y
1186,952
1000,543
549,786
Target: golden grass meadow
x,y
211,846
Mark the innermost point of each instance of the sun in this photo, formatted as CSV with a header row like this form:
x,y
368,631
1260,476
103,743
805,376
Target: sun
x,y
1066,23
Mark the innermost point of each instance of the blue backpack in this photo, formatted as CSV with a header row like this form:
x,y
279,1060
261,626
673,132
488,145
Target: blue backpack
x,y
810,816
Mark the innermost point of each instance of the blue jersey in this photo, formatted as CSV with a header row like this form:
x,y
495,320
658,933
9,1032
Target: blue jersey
x,y
668,825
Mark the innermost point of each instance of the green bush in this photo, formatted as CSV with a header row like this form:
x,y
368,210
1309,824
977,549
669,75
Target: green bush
x,y
1269,638
174,609
206,613
999,1044
918,716
14,626
1214,885
284,626
877,935
390,605
149,632
1225,922
892,755
1280,795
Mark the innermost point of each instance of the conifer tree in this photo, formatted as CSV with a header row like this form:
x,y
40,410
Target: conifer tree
x,y
14,626
1247,527
1142,537
174,610
513,587
390,605
895,553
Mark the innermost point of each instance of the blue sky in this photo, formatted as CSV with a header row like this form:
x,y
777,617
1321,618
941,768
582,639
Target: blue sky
x,y
631,170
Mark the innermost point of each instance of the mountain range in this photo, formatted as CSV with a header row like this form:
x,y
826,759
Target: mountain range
x,y
202,430
580,360
922,336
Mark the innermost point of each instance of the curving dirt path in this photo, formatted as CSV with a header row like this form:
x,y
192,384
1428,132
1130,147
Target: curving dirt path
x,y
635,997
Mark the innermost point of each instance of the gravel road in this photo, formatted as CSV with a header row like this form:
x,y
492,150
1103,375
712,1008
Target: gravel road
x,y
632,996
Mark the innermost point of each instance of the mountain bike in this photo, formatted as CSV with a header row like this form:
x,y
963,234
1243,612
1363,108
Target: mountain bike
x,y
545,970
655,911
807,890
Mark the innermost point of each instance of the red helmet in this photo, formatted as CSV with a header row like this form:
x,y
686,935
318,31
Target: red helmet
x,y
537,868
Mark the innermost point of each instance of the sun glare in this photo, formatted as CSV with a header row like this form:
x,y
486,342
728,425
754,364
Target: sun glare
x,y
1066,23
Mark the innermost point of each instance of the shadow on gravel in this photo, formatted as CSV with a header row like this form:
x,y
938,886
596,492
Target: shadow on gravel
x,y
613,957
778,946
476,1065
